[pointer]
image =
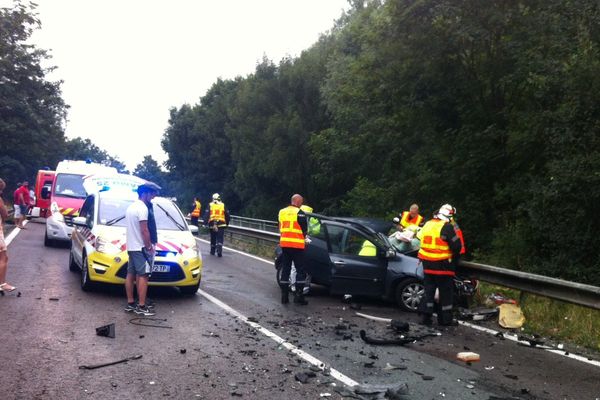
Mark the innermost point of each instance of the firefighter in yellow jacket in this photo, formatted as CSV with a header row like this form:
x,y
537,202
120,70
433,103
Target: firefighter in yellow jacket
x,y
292,234
439,245
196,211
217,218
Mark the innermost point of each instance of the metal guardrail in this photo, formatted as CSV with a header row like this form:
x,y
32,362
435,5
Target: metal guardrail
x,y
571,292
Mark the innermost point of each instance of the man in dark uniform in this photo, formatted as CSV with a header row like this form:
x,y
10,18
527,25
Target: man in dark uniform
x,y
217,219
292,230
439,245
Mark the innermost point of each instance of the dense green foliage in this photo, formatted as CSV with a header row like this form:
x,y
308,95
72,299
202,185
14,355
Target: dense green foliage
x,y
491,106
32,111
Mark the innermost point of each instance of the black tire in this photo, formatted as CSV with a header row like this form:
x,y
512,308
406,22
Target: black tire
x,y
278,277
409,293
47,241
86,284
73,267
189,290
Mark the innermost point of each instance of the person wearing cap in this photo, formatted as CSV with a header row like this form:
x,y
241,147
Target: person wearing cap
x,y
142,237
217,219
439,245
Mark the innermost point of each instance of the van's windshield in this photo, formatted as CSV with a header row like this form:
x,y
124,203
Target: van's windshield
x,y
168,217
69,185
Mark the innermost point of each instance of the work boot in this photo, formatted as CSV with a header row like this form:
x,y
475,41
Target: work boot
x,y
426,319
299,295
285,299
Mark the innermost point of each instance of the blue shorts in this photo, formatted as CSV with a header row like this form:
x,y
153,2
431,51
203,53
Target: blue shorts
x,y
140,263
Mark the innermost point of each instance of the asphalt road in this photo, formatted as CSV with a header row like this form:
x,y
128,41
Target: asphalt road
x,y
211,352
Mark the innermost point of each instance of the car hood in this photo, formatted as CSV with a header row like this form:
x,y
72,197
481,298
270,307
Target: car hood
x,y
175,241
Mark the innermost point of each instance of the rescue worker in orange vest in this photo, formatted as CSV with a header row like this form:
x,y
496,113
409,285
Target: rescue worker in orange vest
x,y
217,219
195,214
292,236
439,246
411,217
459,233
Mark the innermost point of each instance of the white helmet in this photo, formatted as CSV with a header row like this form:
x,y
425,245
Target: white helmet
x,y
216,196
446,212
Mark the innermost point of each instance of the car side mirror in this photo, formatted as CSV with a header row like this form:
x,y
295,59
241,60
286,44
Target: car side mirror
x,y
390,253
45,192
193,229
80,221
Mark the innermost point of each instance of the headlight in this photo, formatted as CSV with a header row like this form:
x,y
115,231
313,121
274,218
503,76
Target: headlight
x,y
191,252
58,217
106,247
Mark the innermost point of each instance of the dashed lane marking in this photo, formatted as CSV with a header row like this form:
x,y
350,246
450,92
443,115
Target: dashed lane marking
x,y
279,340
14,233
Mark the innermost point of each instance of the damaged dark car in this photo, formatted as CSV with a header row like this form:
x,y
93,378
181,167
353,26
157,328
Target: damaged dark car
x,y
354,256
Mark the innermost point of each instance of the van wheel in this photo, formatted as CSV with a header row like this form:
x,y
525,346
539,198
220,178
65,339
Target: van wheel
x,y
73,267
409,293
86,284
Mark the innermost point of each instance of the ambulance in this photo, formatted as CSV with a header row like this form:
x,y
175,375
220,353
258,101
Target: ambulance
x,y
98,243
67,196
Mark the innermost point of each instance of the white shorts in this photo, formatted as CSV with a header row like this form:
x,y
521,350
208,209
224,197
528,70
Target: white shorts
x,y
17,211
3,246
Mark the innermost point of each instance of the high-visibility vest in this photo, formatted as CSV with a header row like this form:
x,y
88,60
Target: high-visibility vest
x,y
217,212
196,212
368,249
408,220
433,247
306,209
290,232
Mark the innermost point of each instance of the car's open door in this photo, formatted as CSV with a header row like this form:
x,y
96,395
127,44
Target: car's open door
x,y
356,262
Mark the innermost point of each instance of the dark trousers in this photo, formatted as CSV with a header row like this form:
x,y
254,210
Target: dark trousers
x,y
297,257
216,240
445,284
194,221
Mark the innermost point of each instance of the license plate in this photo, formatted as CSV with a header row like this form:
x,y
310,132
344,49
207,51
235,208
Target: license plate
x,y
161,268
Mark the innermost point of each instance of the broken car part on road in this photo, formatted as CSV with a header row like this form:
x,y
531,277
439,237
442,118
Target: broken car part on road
x,y
96,366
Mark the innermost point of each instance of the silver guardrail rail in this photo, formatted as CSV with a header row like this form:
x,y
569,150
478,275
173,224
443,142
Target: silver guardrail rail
x,y
571,292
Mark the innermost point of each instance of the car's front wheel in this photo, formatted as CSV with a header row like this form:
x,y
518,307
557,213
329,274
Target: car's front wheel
x,y
72,264
278,277
86,284
189,290
409,293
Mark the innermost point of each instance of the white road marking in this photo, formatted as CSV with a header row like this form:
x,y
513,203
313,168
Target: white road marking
x,y
279,340
240,252
472,326
14,233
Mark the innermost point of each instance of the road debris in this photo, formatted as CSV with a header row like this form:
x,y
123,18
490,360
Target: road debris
x,y
106,331
145,321
402,340
477,314
54,299
498,298
467,356
399,326
511,316
392,367
96,366
182,351
373,318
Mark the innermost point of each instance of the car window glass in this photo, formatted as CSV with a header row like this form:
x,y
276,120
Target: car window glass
x,y
315,231
348,242
113,210
87,210
70,185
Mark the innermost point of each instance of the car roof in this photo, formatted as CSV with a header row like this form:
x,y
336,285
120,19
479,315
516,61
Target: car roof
x,y
363,223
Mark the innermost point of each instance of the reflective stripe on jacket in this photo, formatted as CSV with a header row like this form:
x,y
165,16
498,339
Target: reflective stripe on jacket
x,y
407,220
291,235
196,212
433,247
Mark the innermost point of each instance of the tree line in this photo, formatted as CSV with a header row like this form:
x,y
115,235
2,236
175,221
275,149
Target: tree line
x,y
492,107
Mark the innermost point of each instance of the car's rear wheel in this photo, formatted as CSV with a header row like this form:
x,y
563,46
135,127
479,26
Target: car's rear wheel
x,y
86,284
278,277
47,241
72,264
409,293
189,290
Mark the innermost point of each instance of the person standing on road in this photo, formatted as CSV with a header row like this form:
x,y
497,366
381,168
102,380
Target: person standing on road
x,y
141,240
439,245
195,214
292,237
21,203
4,287
217,219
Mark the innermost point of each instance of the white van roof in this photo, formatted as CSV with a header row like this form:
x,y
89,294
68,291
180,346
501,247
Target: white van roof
x,y
113,184
80,167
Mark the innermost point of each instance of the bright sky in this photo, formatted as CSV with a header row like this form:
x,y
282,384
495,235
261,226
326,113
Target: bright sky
x,y
126,62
